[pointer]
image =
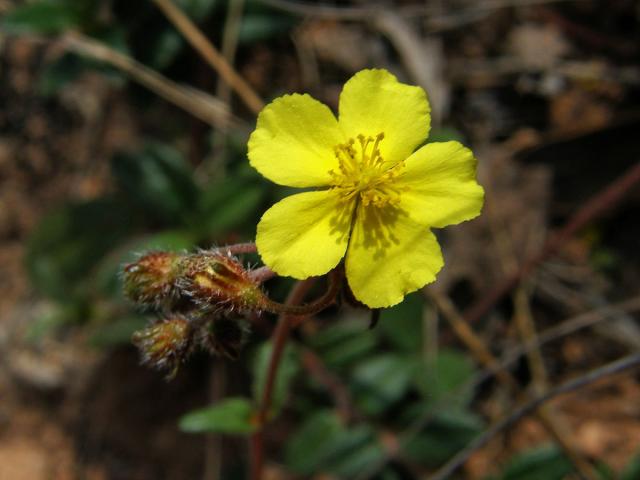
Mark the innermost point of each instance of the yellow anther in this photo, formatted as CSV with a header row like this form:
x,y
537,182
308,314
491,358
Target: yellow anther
x,y
362,172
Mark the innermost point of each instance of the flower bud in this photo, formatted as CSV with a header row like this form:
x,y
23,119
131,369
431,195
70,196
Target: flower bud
x,y
152,279
217,282
224,336
166,344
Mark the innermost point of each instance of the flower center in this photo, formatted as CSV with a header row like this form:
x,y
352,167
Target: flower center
x,y
363,173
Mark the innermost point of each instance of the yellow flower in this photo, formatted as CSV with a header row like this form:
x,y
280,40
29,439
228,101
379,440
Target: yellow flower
x,y
377,198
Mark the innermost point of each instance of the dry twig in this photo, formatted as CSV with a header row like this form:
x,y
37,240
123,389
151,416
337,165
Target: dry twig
x,y
626,363
564,328
199,104
481,352
211,55
605,200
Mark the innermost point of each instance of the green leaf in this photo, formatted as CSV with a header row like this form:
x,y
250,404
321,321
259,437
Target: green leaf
x,y
56,316
233,416
344,343
70,241
289,367
632,470
197,9
118,332
402,325
311,444
165,47
452,370
44,17
258,26
158,180
323,444
546,462
58,74
231,203
445,134
448,432
380,381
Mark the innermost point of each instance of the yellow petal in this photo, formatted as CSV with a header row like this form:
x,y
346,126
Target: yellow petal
x,y
373,102
305,234
441,187
293,142
389,256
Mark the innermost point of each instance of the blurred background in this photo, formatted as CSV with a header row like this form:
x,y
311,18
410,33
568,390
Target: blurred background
x,y
117,136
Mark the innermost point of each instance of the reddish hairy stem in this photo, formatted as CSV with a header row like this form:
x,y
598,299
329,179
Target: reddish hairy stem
x,y
238,248
262,274
303,311
280,337
597,205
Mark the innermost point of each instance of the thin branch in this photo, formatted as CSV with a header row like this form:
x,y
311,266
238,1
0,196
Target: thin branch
x,y
211,55
319,10
565,328
626,363
481,352
195,102
605,200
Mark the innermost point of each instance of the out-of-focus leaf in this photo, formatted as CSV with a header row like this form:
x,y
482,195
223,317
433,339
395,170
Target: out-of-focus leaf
x,y
262,26
343,343
69,67
323,444
380,381
546,462
118,332
159,180
44,17
165,48
446,434
402,325
67,244
632,470
198,9
56,316
60,73
311,444
231,203
451,370
445,134
232,415
289,367
390,475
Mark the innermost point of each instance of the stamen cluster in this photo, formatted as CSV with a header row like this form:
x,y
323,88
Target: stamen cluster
x,y
363,173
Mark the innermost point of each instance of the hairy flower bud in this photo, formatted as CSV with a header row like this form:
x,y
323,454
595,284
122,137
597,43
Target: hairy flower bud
x,y
151,280
218,282
224,336
166,344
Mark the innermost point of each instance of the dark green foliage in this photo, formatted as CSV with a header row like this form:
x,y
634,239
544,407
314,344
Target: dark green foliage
x,y
44,17
158,181
546,462
324,444
69,242
289,367
232,416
